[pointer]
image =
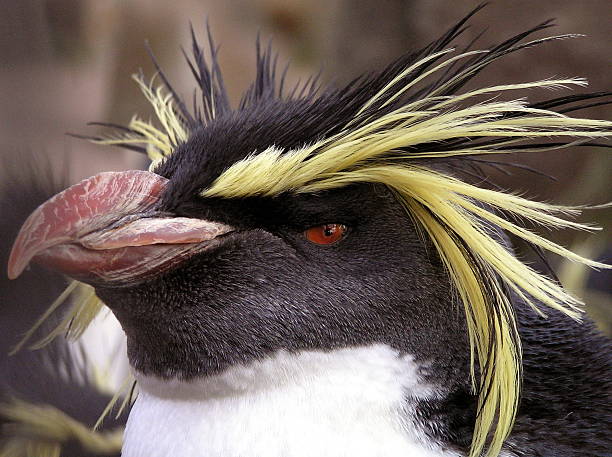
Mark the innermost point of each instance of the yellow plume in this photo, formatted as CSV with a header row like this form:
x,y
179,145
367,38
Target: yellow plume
x,y
41,430
456,215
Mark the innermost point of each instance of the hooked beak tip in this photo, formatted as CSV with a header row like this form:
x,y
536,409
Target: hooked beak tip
x,y
104,229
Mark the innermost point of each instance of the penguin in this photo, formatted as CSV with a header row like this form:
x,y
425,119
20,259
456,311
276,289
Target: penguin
x,y
49,400
321,272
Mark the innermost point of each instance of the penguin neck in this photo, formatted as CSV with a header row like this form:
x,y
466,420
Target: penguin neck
x,y
355,401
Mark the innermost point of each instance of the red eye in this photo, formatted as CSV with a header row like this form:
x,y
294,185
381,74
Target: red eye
x,y
326,234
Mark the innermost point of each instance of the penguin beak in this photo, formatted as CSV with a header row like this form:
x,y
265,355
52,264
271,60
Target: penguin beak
x,y
106,229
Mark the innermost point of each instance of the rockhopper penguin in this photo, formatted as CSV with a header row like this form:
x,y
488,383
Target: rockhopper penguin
x,y
318,271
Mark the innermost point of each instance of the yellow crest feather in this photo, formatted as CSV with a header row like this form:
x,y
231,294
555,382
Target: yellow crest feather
x,y
41,430
455,214
160,142
85,307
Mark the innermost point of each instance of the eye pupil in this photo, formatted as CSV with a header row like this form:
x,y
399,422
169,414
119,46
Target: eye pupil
x,y
326,234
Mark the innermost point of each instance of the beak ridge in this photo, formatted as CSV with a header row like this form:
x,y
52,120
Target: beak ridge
x,y
101,229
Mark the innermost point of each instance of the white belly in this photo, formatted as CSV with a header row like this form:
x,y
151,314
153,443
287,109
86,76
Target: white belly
x,y
348,402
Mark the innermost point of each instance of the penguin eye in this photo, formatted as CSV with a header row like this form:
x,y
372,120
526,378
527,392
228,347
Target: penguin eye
x,y
326,233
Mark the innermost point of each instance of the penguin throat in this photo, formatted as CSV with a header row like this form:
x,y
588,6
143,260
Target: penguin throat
x,y
347,402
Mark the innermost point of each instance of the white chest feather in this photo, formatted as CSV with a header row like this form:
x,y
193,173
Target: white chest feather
x,y
348,402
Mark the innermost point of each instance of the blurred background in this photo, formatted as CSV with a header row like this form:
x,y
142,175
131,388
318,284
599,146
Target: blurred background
x,y
64,63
